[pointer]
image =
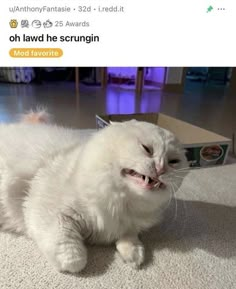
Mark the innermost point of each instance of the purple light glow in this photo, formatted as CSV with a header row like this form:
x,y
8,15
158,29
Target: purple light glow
x,y
150,103
129,72
124,101
156,74
118,103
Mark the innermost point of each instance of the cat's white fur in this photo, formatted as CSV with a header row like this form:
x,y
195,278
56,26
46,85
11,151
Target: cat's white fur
x,y
63,193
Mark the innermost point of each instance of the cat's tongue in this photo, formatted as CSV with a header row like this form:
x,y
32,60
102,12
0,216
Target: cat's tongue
x,y
144,181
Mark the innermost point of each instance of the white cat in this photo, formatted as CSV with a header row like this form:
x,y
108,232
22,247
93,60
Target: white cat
x,y
63,193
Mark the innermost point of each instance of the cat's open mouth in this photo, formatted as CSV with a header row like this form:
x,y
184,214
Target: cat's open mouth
x,y
144,181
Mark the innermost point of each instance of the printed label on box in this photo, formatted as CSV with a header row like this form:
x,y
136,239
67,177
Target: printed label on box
x,y
206,155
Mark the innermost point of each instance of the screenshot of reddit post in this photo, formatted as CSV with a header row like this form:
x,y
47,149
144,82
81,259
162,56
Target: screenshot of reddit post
x,y
117,144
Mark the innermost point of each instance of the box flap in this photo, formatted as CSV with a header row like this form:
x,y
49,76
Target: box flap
x,y
188,133
148,117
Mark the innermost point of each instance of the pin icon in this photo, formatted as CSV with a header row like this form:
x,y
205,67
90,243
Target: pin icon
x,y
209,9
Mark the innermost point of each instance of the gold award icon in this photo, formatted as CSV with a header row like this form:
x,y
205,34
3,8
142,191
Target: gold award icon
x,y
13,23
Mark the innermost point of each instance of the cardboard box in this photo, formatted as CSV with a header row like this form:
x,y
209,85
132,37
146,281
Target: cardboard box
x,y
234,143
203,148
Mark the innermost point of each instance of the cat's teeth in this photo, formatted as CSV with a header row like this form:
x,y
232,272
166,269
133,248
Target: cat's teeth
x,y
146,180
157,184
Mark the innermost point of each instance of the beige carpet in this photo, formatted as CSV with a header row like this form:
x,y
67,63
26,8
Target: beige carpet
x,y
195,249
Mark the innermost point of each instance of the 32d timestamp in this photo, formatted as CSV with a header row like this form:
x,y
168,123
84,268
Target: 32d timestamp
x,y
106,9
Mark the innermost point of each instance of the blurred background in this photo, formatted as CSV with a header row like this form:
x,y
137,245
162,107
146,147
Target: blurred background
x,y
204,96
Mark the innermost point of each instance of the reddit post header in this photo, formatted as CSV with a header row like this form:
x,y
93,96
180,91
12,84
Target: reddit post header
x,y
117,33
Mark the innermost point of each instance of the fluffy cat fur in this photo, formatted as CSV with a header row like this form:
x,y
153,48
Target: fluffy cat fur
x,y
63,193
40,115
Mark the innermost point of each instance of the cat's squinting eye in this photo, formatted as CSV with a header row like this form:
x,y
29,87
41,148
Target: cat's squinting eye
x,y
174,161
148,150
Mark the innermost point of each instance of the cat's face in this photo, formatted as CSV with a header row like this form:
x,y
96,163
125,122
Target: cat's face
x,y
150,159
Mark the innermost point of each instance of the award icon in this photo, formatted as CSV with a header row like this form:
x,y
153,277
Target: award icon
x,y
24,23
47,24
13,23
36,24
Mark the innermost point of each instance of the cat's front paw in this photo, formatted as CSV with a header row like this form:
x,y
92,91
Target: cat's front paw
x,y
72,265
71,259
132,254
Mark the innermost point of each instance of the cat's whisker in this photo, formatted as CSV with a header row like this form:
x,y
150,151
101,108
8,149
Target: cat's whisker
x,y
179,177
188,168
181,171
175,200
170,177
185,213
172,190
176,209
171,197
169,224
182,168
184,172
177,172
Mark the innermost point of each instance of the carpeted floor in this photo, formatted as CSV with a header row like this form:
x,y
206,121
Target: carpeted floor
x,y
195,247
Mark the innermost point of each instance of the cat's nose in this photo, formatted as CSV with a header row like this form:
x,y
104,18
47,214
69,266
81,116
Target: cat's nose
x,y
160,170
